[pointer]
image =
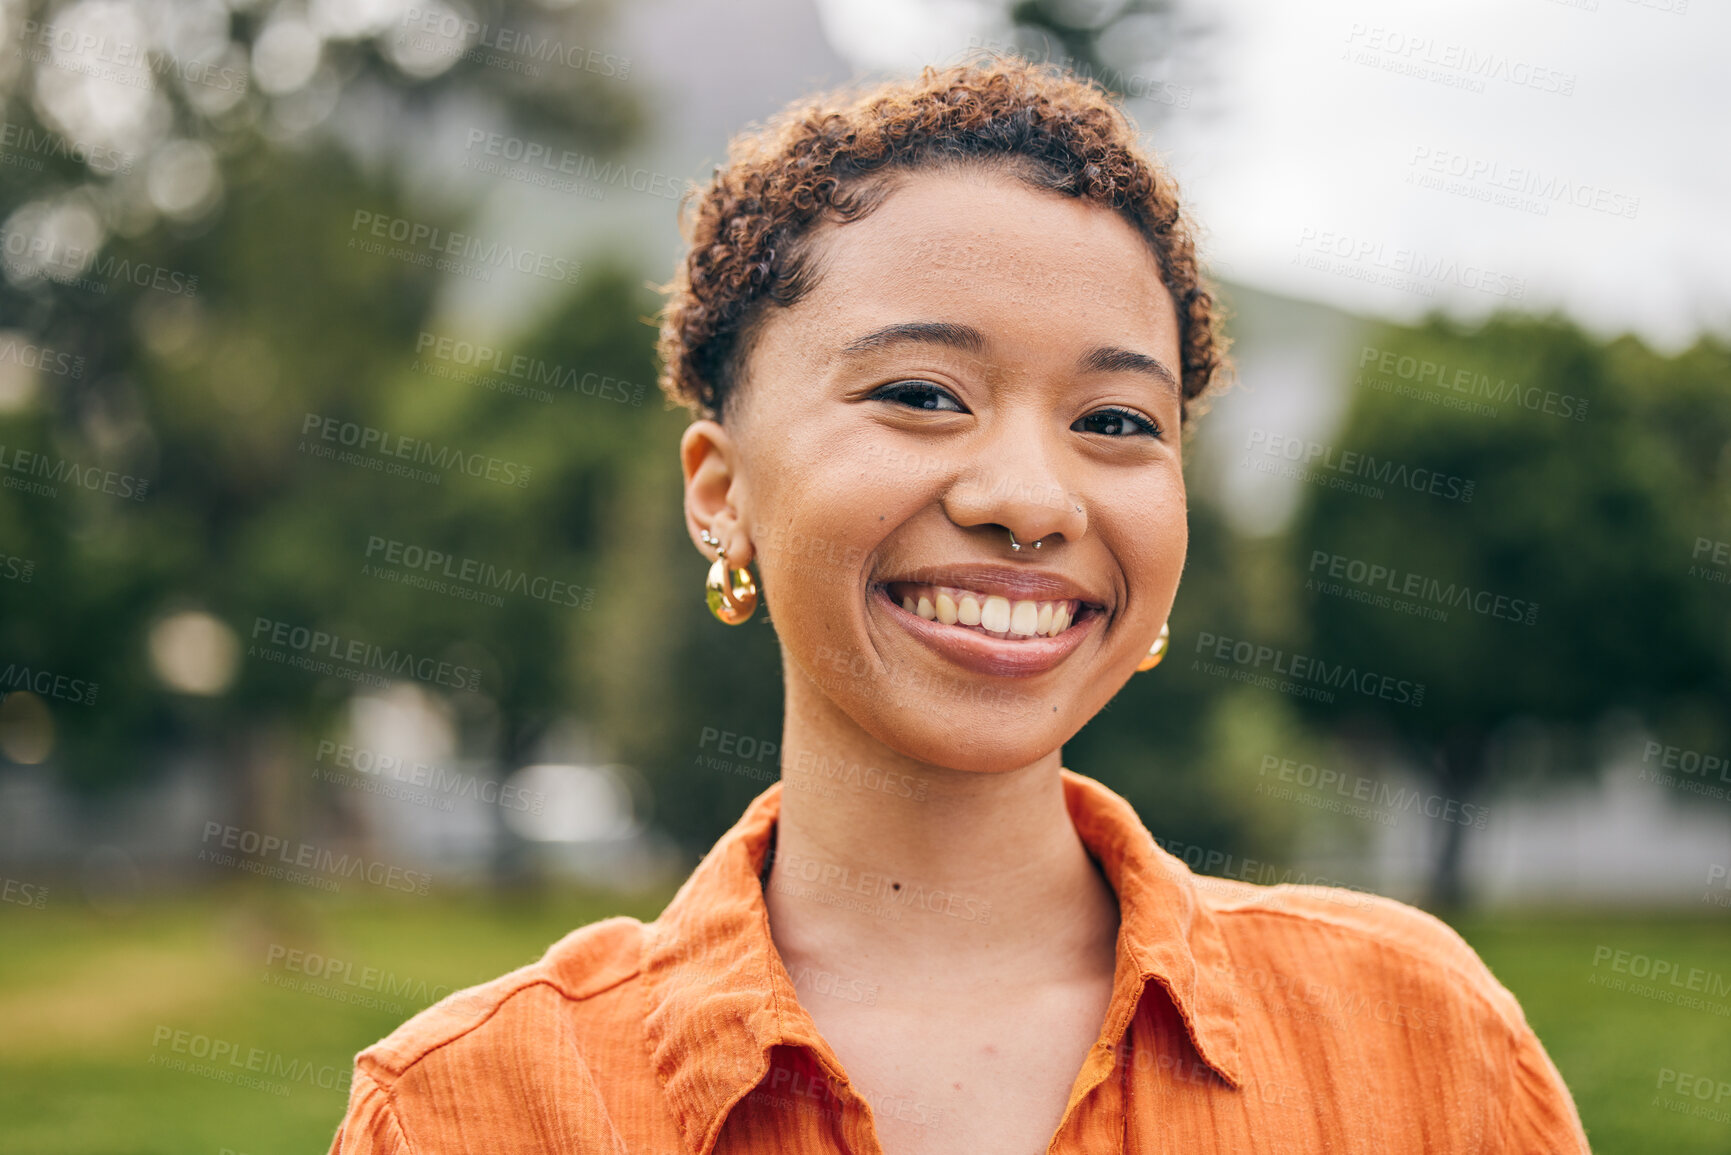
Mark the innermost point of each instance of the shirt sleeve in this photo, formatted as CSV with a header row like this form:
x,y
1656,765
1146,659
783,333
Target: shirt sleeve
x,y
370,1125
1541,1118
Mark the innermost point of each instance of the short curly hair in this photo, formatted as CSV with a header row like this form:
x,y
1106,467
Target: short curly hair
x,y
831,158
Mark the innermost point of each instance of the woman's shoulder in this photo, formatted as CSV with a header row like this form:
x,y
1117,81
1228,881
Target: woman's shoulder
x,y
1346,934
483,1019
1357,973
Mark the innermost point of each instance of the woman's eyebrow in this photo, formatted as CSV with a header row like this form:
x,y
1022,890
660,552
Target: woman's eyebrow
x,y
954,335
1112,359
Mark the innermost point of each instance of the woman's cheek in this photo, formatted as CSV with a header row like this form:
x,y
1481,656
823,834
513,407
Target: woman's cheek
x,y
1150,547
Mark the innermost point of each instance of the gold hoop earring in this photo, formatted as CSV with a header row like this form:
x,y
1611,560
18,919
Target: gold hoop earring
x,y
731,593
1157,651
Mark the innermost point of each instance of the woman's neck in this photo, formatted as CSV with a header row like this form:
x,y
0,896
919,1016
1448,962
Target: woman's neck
x,y
909,864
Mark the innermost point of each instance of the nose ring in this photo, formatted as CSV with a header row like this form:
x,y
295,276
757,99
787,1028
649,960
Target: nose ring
x,y
1016,545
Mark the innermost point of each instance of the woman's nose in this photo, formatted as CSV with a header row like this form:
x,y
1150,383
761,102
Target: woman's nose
x,y
1019,491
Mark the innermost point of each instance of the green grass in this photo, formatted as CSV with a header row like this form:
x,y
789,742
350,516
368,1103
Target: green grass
x,y
85,1000
1611,1045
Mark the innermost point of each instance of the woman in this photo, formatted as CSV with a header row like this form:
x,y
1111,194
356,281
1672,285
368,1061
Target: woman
x,y
951,329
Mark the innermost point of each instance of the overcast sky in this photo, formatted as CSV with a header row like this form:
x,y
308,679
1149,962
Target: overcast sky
x,y
1384,157
1581,149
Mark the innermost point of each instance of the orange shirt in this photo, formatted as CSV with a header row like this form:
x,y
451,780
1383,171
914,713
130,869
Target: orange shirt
x,y
1243,1018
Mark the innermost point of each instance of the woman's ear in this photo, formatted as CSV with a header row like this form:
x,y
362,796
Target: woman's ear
x,y
716,498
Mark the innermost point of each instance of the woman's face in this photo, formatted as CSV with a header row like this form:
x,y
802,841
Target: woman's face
x,y
977,357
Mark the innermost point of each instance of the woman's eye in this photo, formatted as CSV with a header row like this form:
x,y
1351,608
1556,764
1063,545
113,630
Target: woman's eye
x,y
1117,423
920,395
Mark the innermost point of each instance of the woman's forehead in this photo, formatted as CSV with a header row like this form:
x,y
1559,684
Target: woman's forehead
x,y
994,252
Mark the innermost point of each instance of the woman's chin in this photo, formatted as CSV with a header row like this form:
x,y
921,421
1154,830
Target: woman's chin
x,y
969,739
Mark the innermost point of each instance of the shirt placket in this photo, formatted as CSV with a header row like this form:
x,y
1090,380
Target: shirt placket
x,y
1098,1101
859,1131
855,1129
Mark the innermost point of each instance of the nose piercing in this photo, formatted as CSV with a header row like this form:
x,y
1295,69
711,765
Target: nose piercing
x,y
1014,544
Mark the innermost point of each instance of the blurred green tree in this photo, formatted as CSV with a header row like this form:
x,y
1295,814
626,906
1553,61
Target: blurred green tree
x,y
1541,569
189,227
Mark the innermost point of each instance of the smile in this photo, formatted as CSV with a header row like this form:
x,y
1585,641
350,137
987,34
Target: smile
x,y
1007,652
991,614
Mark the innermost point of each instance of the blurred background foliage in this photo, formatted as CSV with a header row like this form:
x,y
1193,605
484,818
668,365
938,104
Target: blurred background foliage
x,y
1585,505
205,394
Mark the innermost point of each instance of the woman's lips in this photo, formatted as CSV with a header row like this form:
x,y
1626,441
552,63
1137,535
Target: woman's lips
x,y
975,650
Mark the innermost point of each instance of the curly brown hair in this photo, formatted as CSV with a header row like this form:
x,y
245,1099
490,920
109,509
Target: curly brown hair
x,y
834,157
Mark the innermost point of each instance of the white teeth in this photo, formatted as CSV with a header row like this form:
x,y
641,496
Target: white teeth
x,y
991,613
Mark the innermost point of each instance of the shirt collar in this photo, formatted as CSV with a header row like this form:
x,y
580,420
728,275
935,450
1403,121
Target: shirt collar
x,y
718,996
